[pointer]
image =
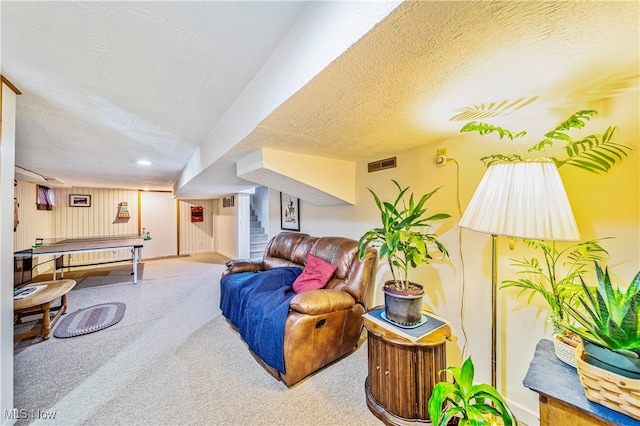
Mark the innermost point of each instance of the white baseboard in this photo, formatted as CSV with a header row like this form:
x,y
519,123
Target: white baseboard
x,y
524,414
197,251
229,255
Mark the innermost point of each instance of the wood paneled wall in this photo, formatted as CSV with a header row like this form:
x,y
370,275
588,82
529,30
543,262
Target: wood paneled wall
x,y
34,223
196,237
100,219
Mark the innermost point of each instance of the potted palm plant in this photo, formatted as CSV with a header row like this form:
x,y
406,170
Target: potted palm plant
x,y
471,404
609,324
406,241
555,279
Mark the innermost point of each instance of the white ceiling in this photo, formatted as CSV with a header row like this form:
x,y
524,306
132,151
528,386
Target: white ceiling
x,y
105,84
108,83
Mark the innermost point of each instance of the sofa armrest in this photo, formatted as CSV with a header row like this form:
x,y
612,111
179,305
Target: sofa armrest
x,y
316,302
243,265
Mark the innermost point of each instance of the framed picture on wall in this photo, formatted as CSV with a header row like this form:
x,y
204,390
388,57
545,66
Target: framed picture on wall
x,y
289,212
77,200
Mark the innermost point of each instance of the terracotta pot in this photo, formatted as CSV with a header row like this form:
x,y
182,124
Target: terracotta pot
x,y
403,307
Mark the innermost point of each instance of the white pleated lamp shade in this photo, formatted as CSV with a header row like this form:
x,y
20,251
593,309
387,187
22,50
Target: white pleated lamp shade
x,y
522,200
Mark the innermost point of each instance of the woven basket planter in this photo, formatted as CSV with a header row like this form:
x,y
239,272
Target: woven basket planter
x,y
611,390
564,351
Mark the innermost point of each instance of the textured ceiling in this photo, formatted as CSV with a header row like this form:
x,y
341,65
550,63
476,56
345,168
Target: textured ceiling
x,y
400,86
105,84
110,83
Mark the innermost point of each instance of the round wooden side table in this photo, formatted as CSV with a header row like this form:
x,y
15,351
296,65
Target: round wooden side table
x,y
402,374
41,303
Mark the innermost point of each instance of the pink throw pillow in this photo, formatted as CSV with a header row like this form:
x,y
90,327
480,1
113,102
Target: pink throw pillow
x,y
316,275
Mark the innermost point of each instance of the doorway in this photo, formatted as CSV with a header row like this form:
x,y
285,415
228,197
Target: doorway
x,y
158,217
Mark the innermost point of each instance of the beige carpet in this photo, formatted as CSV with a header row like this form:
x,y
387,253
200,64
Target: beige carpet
x,y
173,360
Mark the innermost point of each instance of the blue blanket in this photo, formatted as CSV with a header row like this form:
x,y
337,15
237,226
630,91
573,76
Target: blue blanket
x,y
258,305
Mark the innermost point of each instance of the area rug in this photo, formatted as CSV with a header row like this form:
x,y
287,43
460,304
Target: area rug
x,y
89,320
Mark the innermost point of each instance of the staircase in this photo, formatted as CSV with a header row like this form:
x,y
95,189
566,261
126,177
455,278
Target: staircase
x,y
257,238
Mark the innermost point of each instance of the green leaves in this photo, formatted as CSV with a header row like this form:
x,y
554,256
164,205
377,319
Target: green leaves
x,y
399,238
593,154
554,276
499,158
484,128
473,403
611,317
576,121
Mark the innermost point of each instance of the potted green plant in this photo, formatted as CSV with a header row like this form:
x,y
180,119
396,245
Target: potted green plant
x,y
609,325
472,404
595,154
555,279
402,240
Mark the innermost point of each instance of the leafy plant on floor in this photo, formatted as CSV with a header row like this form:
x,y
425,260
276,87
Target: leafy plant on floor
x,y
612,316
545,277
473,404
595,154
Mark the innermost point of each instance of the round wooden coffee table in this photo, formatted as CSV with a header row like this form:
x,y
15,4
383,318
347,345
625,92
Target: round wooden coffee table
x,y
40,303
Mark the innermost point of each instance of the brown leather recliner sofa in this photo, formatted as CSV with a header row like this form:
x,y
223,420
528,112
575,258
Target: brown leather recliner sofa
x,y
321,325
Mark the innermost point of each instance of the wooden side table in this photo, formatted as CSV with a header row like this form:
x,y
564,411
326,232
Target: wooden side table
x,y
40,303
561,395
402,374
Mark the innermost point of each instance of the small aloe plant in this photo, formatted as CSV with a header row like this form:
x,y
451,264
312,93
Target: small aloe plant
x,y
595,154
473,404
611,317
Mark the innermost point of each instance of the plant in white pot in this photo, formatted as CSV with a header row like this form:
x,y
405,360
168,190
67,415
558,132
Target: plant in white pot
x,y
406,241
554,277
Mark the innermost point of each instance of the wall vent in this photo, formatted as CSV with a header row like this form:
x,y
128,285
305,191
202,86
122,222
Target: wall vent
x,y
387,163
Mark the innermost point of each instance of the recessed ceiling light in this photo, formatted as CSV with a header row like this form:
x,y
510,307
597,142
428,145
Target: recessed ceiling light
x,y
144,162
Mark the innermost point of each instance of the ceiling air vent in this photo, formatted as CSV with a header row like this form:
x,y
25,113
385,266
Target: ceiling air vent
x,y
387,163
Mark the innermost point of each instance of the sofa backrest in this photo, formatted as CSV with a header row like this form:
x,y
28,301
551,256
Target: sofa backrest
x,y
352,275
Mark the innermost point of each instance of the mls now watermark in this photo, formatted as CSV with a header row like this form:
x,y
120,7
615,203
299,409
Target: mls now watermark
x,y
33,414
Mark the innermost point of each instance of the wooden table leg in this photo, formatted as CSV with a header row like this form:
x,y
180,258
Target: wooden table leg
x,y
63,304
42,303
46,320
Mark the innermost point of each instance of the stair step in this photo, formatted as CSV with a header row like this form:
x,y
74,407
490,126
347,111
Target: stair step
x,y
257,238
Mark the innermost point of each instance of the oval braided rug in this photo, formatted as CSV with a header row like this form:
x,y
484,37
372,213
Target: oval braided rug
x,y
89,320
